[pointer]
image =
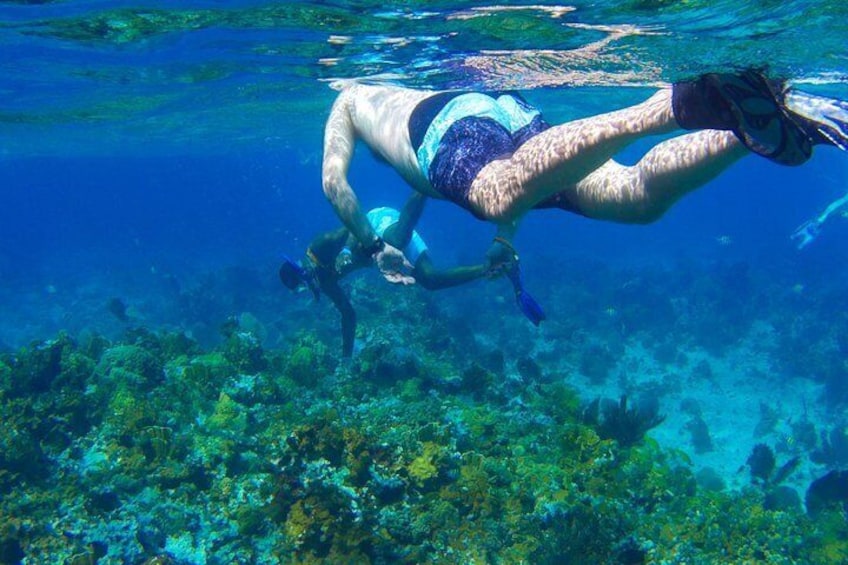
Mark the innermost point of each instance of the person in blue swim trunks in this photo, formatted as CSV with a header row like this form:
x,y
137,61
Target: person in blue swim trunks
x,y
333,255
496,156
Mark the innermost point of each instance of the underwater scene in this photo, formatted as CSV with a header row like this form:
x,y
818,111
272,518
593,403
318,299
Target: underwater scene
x,y
669,390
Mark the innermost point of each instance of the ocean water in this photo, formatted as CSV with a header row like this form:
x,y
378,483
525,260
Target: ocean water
x,y
164,397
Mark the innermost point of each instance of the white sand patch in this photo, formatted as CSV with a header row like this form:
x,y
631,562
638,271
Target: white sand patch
x,y
729,396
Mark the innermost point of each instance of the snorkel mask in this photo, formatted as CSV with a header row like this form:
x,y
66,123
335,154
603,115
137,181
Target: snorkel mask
x,y
293,275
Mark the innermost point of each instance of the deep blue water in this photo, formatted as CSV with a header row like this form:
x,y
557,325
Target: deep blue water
x,y
68,222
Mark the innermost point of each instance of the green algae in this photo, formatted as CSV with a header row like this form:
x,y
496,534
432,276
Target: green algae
x,y
130,362
228,416
308,362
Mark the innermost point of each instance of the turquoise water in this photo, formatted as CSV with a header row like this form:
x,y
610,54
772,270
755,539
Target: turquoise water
x,y
103,75
163,397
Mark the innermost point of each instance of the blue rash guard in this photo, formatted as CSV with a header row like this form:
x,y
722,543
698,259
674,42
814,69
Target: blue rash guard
x,y
383,218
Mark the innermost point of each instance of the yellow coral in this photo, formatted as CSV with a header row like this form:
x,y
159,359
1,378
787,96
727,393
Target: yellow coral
x,y
210,367
833,551
297,522
228,415
130,412
474,485
423,468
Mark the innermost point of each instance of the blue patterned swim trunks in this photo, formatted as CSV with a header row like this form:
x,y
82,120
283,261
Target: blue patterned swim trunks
x,y
455,135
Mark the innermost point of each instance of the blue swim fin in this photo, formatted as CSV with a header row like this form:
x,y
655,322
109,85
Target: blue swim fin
x,y
528,305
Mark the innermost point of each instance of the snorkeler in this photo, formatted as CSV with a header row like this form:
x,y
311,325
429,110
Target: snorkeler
x,y
333,255
810,230
495,155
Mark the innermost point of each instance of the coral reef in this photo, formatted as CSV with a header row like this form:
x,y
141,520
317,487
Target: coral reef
x,y
624,424
763,466
834,448
765,473
151,450
828,492
701,439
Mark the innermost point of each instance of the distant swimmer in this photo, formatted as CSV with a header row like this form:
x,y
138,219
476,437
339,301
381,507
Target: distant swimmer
x,y
810,230
333,255
495,155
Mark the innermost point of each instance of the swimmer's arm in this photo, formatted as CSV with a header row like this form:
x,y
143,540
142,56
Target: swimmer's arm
x,y
400,233
429,277
329,244
339,142
328,248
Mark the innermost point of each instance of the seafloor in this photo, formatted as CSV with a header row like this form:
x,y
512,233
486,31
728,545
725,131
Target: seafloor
x,y
658,416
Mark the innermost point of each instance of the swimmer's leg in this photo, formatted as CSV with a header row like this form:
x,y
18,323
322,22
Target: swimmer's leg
x,y
645,191
562,156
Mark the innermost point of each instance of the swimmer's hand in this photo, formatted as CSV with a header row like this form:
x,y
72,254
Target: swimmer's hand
x,y
393,265
500,258
344,261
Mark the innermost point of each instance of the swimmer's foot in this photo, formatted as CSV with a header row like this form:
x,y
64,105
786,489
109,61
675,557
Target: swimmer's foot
x,y
749,105
825,120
